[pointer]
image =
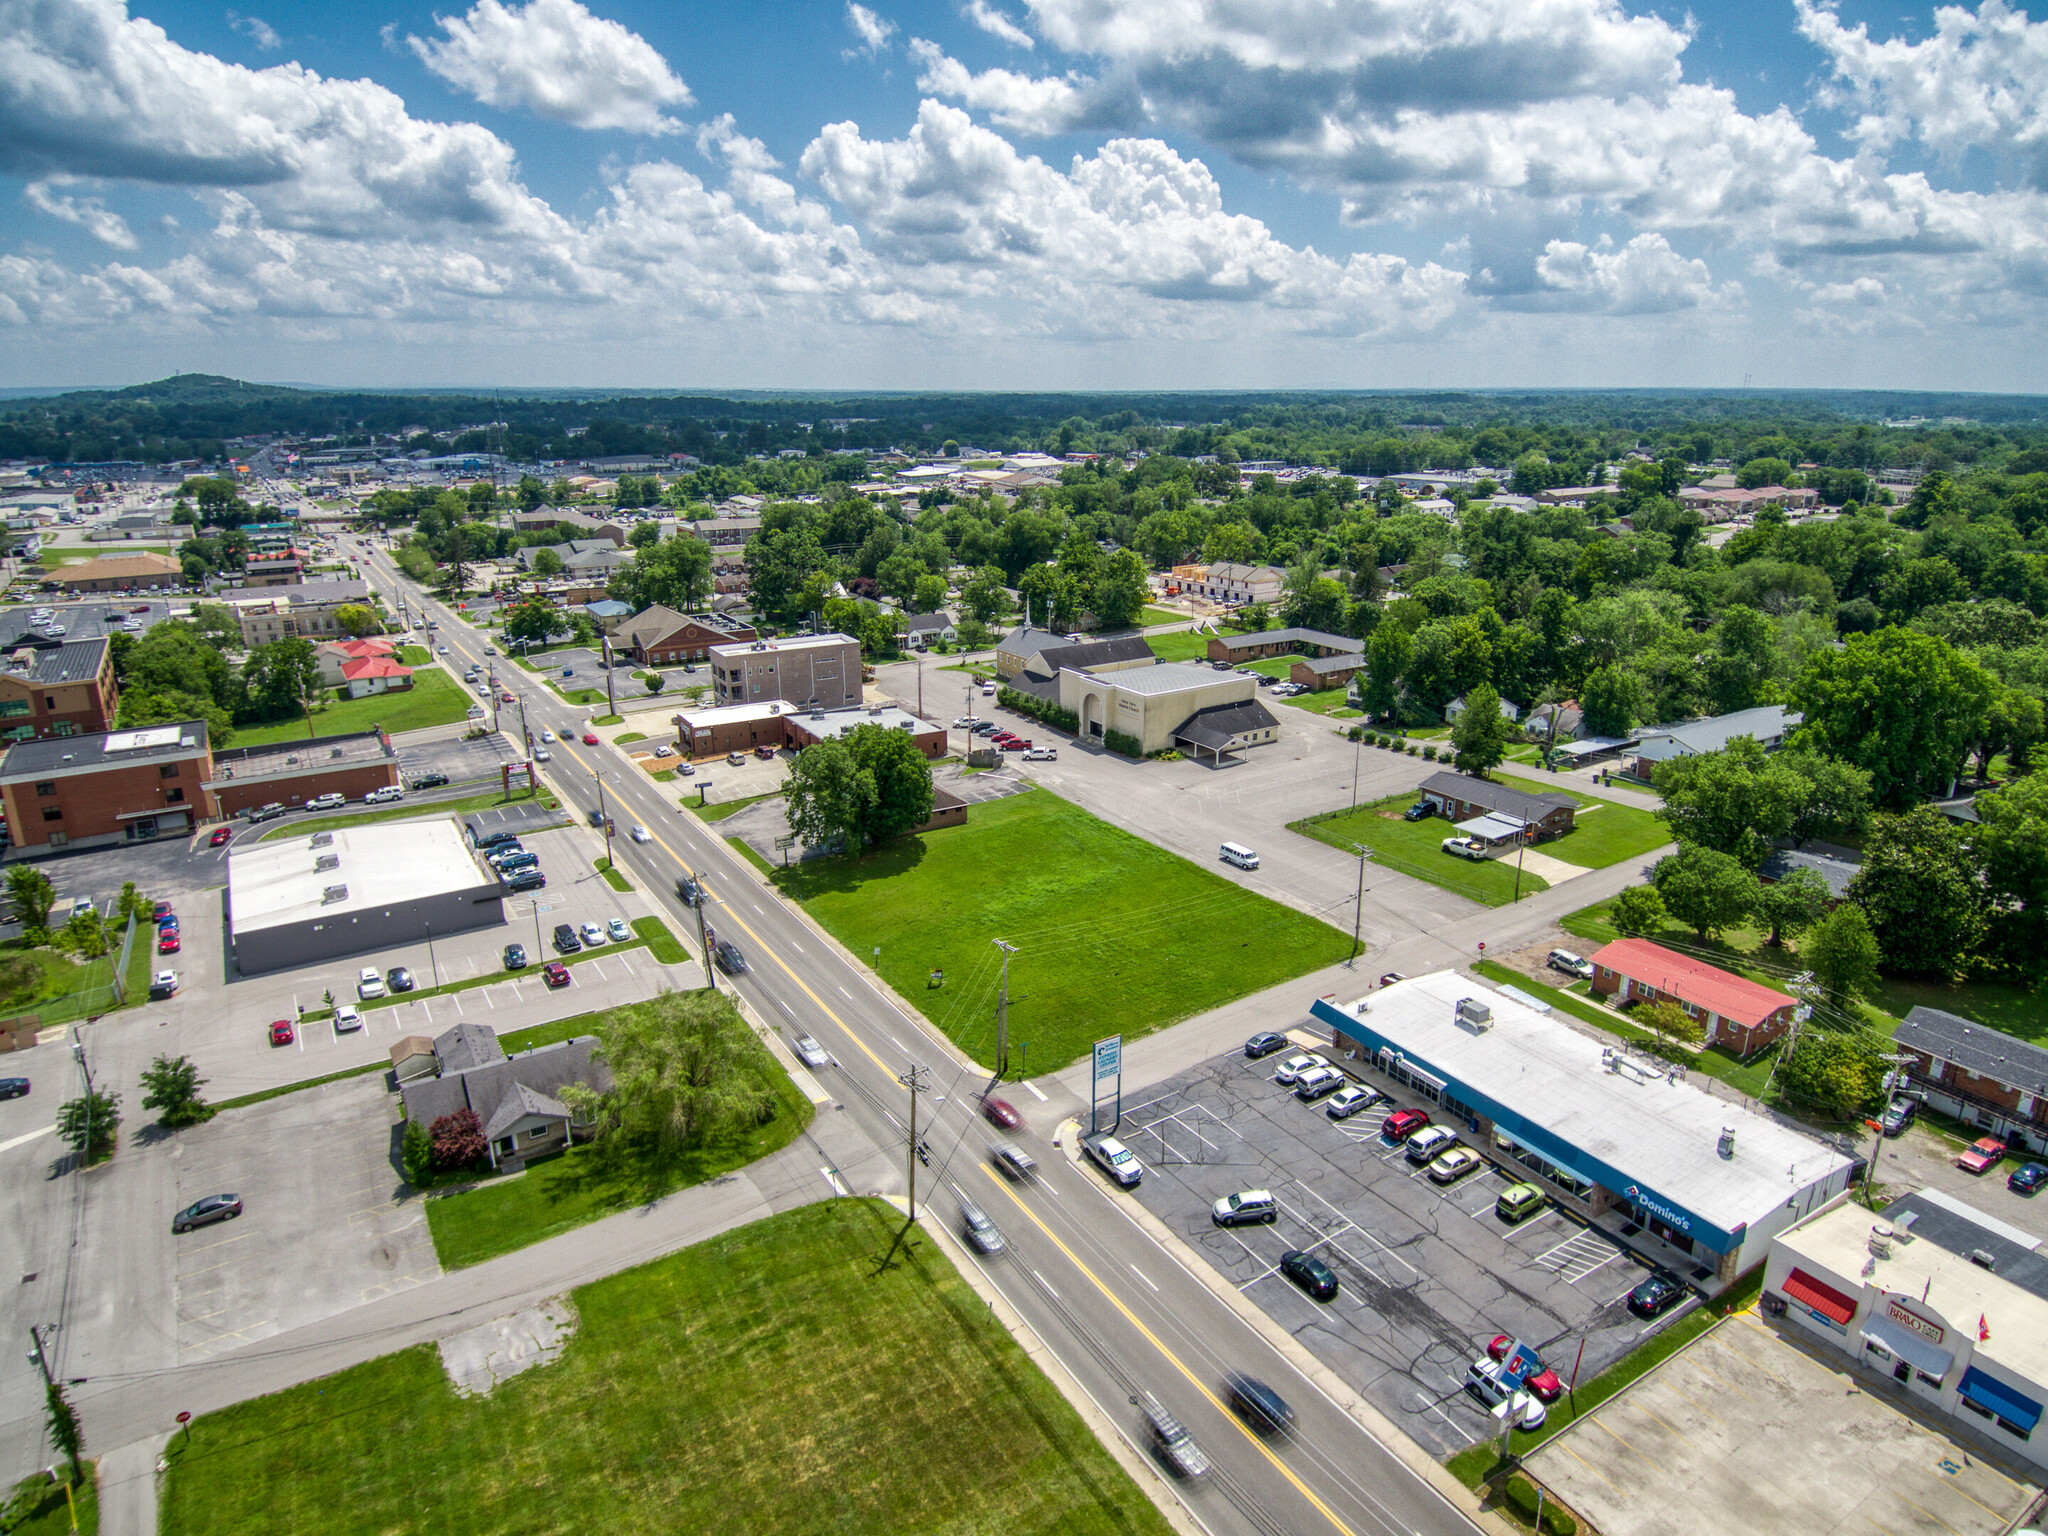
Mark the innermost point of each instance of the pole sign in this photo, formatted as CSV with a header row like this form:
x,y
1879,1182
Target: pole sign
x,y
1109,1064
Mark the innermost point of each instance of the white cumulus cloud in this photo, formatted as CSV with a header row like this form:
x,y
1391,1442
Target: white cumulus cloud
x,y
873,31
1643,277
558,61
90,214
257,30
996,24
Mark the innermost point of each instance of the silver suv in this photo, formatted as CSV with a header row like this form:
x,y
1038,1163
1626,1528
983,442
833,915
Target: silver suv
x,y
1246,1207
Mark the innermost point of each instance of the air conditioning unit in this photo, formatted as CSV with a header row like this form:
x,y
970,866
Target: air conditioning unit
x,y
1474,1015
323,839
332,894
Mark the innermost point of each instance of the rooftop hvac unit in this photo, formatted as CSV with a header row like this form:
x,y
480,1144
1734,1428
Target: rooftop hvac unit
x,y
335,751
1881,1239
332,894
323,839
1473,1014
774,709
1727,1147
327,861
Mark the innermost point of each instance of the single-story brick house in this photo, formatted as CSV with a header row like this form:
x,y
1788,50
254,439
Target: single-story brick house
x,y
513,1097
1460,797
1238,649
1326,671
1733,1011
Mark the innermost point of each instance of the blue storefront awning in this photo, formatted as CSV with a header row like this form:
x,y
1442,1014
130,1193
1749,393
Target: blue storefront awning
x,y
1987,1392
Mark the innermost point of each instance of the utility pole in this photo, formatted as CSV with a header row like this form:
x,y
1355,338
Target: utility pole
x,y
704,935
610,698
915,1079
526,737
1358,905
605,817
1003,1012
1357,752
920,687
84,1071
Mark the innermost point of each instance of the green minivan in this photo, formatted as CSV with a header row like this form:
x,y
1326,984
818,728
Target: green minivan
x,y
1518,1202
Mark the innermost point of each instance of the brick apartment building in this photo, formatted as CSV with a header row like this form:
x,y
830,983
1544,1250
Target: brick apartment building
x,y
1732,1011
808,669
1994,1081
305,609
66,690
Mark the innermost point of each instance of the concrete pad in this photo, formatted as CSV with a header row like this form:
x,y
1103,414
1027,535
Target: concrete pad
x,y
477,1359
1554,871
1745,1434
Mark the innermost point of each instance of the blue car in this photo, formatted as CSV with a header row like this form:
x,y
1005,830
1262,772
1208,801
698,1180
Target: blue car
x,y
2028,1178
168,923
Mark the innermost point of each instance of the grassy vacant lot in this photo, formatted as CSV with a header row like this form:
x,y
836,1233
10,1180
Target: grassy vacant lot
x,y
2003,1005
59,989
1185,645
1599,837
581,1185
1416,848
43,1509
1116,936
433,699
793,1376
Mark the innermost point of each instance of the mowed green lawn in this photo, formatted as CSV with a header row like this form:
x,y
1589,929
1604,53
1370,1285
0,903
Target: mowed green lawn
x,y
1184,645
433,699
797,1375
1598,837
1114,935
1416,848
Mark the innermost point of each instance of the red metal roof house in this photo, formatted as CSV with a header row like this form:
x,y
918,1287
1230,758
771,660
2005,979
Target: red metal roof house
x,y
1734,1012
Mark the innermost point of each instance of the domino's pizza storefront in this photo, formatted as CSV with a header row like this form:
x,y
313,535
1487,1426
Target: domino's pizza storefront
x,y
1604,1133
1951,1335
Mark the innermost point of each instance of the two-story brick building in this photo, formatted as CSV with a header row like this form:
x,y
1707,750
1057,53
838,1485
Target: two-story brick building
x,y
64,690
1984,1077
1733,1012
823,670
119,786
660,636
304,610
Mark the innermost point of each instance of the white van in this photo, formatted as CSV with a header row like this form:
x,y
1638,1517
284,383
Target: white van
x,y
1238,854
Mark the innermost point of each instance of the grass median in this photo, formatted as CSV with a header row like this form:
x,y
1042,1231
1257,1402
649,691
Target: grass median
x,y
1115,935
805,1374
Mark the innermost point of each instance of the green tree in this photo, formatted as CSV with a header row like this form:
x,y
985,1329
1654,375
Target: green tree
x,y
531,620
1120,591
677,572
1836,800
1842,953
530,493
1704,889
1255,618
655,682
984,597
897,576
1482,732
1903,706
1761,472
141,707
685,1068
929,593
89,1123
85,935
1233,543
417,1152
1613,699
1790,906
357,619
2012,844
828,795
1919,885
1318,605
280,677
644,534
1668,1020
546,563
901,776
1637,910
31,895
1737,801
1840,1075
1387,657
61,1419
171,1087
1739,666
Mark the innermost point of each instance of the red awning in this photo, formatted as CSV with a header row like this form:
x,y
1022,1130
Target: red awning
x,y
1824,1299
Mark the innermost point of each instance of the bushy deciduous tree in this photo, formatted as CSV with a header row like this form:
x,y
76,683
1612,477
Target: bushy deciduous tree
x,y
1637,910
1919,887
170,1086
1904,707
1842,953
89,1123
685,1069
1704,889
1481,732
1790,906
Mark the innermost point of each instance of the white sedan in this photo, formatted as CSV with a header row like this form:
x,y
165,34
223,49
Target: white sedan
x,y
639,833
547,735
593,935
370,984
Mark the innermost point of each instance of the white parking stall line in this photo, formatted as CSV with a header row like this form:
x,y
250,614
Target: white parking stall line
x,y
1265,1274
598,966
487,991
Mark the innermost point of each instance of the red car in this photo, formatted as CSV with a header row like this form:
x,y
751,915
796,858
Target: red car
x,y
163,910
167,943
764,750
221,835
1985,1153
281,1032
509,699
1014,745
590,738
1003,1113
555,974
1543,1381
1403,1123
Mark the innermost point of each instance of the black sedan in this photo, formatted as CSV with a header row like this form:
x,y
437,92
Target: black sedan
x,y
1310,1273
2023,1180
1655,1295
1265,1043
730,960
13,1087
205,1212
400,979
1258,1404
690,892
430,781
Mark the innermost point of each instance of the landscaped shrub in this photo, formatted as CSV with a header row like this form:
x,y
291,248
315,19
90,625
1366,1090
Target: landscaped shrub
x,y
1117,741
1429,753
1356,733
458,1140
1520,1496
1413,749
1041,710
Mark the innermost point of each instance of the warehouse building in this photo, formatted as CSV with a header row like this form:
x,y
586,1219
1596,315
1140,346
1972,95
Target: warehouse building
x,y
1615,1138
323,895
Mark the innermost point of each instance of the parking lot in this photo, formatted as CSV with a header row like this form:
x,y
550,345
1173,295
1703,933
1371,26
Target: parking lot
x,y
323,1226
1428,1275
442,749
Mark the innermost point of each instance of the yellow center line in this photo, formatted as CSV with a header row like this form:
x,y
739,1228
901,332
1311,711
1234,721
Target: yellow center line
x,y
1174,1360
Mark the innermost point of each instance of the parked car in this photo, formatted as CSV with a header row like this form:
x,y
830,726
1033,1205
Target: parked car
x,y
1391,977
1454,1165
1403,1123
2026,1178
592,935
1292,1068
663,749
281,1032
1319,1084
736,758
515,957
347,1019
167,941
327,802
526,880
168,923
160,911
203,1213
1310,1273
1003,1113
1655,1295
430,781
1985,1153
1541,1379
163,984
730,960
1899,1114
1570,963
1264,1043
1258,1404
220,835
369,984
979,1230
1483,1382
1430,1143
1346,1102
1014,745
555,974
809,1052
1518,1202
566,940
617,931
1116,1159
1246,1207
399,979
1041,755
764,750
966,723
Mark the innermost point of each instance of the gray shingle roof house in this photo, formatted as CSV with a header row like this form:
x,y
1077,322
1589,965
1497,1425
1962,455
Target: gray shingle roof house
x,y
1837,872
513,1098
1460,797
1767,724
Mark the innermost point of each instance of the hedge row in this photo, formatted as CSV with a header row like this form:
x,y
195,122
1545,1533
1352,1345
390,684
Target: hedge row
x,y
1042,710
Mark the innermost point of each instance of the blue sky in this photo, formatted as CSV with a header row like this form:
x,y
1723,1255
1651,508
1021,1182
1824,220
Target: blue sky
x,y
1025,193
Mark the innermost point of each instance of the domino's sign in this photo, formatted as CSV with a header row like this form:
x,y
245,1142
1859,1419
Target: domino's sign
x,y
1665,1212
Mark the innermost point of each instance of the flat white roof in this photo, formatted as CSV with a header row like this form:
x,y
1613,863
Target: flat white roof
x,y
281,881
1662,1134
735,714
1165,677
1838,1241
739,650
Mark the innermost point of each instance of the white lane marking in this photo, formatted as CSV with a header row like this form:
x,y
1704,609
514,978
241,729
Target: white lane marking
x,y
1055,1295
895,1042
786,1008
846,994
23,1140
1041,1097
1143,1276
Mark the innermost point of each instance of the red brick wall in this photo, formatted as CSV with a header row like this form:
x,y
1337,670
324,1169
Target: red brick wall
x,y
354,781
102,804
